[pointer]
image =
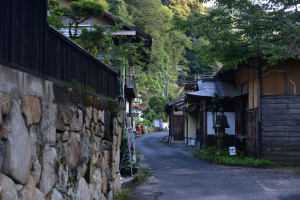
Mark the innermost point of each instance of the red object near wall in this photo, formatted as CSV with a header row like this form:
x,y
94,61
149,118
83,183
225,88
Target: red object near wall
x,y
140,128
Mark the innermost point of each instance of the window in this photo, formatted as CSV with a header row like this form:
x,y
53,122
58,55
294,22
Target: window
x,y
244,88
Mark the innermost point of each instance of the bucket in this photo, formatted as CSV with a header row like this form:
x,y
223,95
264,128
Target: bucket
x,y
193,142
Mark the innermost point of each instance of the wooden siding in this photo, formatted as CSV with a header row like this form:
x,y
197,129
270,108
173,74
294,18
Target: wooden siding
x,y
252,132
178,128
28,44
281,127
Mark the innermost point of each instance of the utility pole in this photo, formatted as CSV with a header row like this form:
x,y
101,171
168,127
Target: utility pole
x,y
167,81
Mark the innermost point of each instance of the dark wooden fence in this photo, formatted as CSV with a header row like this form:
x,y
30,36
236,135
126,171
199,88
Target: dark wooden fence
x,y
281,127
252,132
28,44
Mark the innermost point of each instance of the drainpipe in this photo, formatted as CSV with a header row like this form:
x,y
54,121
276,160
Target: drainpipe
x,y
259,110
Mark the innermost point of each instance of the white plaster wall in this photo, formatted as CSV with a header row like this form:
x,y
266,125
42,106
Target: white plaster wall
x,y
231,122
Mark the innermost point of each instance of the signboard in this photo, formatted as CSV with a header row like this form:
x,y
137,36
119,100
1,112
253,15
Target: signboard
x,y
232,151
131,145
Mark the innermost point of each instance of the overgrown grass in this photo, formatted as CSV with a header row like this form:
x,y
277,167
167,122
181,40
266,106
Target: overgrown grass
x,y
289,164
145,170
224,158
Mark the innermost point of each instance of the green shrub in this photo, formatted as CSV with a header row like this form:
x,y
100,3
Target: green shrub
x,y
239,159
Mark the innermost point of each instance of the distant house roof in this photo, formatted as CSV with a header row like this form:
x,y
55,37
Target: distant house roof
x,y
143,106
138,32
175,101
208,87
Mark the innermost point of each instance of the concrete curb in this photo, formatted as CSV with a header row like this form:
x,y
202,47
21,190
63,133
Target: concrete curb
x,y
131,180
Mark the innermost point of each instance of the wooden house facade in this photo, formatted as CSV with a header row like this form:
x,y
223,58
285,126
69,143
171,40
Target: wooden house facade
x,y
267,108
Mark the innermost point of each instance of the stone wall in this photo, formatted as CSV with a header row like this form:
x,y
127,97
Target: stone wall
x,y
54,146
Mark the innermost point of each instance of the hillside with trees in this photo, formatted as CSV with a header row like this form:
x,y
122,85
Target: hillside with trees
x,y
172,50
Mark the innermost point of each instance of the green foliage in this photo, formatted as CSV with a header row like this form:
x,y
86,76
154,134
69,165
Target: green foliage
x,y
157,103
144,123
54,19
196,63
183,8
90,40
237,30
151,116
78,12
227,159
216,103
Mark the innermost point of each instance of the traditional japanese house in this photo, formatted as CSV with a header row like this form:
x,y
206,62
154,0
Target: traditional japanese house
x,y
207,87
267,108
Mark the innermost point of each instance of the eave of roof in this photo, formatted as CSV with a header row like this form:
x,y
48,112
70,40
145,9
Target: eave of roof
x,y
175,101
114,19
208,87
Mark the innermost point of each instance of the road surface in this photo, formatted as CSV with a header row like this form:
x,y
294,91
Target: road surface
x,y
175,176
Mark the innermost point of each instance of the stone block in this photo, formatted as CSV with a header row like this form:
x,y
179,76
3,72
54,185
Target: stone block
x,y
74,153
30,192
63,173
64,117
31,108
95,115
117,184
110,195
85,146
19,187
104,161
96,184
0,113
8,190
36,141
88,116
49,170
120,116
104,183
101,117
54,195
48,121
17,157
83,191
58,137
65,136
3,132
2,150
77,119
5,103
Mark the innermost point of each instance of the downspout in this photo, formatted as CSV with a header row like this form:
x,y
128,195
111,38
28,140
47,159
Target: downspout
x,y
259,110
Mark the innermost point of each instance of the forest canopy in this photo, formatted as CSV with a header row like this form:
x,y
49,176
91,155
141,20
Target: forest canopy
x,y
236,30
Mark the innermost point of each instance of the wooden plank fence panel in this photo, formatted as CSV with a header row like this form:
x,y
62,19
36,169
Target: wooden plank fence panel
x,y
286,123
281,134
280,101
266,148
280,139
269,117
283,158
281,111
281,153
281,127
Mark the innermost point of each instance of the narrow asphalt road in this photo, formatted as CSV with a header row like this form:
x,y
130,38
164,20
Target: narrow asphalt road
x,y
176,176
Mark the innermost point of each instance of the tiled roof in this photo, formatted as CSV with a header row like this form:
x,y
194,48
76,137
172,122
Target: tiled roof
x,y
143,106
208,87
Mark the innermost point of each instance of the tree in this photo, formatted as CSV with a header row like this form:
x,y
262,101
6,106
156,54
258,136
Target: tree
x,y
78,12
54,19
91,39
183,8
239,29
